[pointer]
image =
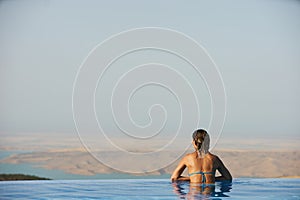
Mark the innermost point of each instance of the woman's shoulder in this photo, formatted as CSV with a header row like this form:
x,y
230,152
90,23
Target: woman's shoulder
x,y
215,159
213,156
190,155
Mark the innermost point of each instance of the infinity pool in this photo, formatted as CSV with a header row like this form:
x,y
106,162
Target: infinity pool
x,y
241,188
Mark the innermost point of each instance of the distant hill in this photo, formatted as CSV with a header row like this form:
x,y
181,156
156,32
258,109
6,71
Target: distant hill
x,y
15,177
241,163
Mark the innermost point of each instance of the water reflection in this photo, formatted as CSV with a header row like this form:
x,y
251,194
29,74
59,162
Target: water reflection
x,y
186,190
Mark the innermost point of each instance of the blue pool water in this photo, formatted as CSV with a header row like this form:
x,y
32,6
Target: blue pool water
x,y
241,188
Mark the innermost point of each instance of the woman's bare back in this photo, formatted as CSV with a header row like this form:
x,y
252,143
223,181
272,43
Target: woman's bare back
x,y
207,165
201,170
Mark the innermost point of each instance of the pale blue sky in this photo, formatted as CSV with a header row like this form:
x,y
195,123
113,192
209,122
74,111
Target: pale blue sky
x,y
255,44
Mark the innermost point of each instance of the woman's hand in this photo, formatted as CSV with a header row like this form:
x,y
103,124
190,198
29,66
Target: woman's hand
x,y
180,178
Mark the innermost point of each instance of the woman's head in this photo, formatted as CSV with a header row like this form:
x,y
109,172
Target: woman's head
x,y
201,141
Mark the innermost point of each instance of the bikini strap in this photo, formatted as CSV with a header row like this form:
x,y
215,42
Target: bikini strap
x,y
202,174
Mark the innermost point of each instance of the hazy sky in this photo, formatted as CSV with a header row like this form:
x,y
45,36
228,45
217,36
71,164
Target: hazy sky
x,y
255,45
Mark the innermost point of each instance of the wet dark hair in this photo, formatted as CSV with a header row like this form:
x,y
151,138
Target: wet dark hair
x,y
199,137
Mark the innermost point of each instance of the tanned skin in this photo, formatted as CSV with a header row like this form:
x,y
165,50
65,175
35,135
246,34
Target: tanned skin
x,y
209,163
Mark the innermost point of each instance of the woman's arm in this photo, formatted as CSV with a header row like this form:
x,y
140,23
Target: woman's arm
x,y
183,178
225,174
176,176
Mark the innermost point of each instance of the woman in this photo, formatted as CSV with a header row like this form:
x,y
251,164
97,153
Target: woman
x,y
201,164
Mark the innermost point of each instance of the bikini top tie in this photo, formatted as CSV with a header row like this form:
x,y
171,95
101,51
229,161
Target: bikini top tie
x,y
202,174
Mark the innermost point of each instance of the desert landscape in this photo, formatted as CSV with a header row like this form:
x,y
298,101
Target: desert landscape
x,y
240,163
69,155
